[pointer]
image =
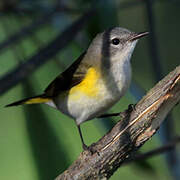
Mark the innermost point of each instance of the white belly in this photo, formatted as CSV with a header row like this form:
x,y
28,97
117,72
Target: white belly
x,y
87,107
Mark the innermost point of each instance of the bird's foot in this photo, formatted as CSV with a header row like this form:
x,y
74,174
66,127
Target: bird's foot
x,y
89,149
131,108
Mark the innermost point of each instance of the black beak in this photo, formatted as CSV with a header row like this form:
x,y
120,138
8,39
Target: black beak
x,y
138,36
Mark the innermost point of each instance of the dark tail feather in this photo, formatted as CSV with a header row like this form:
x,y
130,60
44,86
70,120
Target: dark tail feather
x,y
32,100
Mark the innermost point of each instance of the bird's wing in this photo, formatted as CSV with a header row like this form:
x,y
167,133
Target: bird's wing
x,y
69,78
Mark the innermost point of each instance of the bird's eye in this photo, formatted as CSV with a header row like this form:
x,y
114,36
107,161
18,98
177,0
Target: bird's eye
x,y
115,41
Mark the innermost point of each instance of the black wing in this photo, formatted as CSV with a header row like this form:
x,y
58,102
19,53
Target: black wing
x,y
69,78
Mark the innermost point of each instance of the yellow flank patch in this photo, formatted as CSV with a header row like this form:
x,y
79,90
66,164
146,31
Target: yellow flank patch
x,y
37,100
88,86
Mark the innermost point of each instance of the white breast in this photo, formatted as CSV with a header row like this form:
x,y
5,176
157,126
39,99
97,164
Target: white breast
x,y
121,74
112,88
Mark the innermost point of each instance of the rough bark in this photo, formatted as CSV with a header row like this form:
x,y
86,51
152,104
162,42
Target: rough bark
x,y
132,131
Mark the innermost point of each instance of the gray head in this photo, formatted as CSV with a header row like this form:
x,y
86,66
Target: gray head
x,y
115,44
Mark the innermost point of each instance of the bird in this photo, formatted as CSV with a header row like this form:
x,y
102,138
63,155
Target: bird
x,y
95,81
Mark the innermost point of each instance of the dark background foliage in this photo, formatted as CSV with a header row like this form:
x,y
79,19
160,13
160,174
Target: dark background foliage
x,y
38,40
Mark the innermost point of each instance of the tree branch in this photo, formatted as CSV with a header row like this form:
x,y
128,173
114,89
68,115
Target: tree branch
x,y
132,131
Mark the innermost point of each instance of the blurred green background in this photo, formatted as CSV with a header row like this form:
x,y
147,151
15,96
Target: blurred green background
x,y
38,142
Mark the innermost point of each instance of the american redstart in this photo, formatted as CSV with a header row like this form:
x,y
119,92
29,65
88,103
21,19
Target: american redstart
x,y
95,81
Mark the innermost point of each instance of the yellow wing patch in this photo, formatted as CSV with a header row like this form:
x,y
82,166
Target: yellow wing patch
x,y
37,100
88,86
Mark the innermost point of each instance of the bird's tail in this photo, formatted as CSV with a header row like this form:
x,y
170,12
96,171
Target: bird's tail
x,y
32,100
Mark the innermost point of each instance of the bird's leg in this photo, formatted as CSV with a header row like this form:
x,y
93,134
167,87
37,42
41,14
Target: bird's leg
x,y
84,146
109,115
131,107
